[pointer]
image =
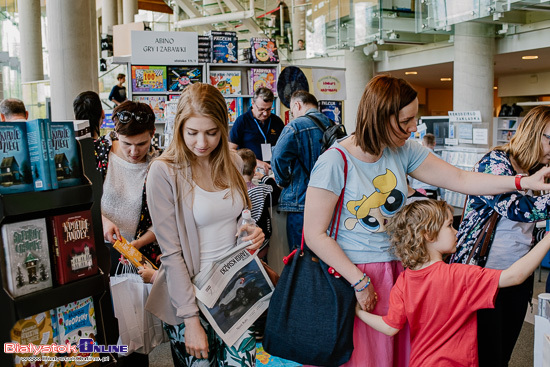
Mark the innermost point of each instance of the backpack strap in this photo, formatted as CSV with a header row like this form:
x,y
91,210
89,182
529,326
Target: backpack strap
x,y
319,124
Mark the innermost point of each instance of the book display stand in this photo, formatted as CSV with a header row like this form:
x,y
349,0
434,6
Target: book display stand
x,y
32,205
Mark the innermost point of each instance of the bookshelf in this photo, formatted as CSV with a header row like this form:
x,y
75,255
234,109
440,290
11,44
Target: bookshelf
x,y
504,129
32,205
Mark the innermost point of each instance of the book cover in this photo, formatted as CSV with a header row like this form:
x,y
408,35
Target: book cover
x,y
73,246
332,109
228,82
27,256
231,109
180,77
149,78
224,47
76,320
38,330
68,163
157,104
260,77
263,50
39,155
15,169
131,253
51,154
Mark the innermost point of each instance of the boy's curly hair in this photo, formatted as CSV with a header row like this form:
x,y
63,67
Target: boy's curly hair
x,y
410,228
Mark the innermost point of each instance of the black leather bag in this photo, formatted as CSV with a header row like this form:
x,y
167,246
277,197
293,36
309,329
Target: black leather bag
x,y
311,312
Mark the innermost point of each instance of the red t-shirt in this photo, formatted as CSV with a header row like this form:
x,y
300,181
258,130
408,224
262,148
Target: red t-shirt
x,y
440,304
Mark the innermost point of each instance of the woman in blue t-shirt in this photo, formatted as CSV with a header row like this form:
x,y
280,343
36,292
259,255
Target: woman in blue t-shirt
x,y
380,157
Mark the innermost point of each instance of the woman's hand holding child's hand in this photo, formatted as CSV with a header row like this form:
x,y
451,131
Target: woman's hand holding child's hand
x,y
367,298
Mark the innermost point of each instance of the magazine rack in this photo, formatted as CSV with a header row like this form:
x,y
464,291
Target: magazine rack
x,y
32,205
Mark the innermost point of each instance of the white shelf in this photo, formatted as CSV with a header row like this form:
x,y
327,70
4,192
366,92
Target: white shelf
x,y
503,129
236,65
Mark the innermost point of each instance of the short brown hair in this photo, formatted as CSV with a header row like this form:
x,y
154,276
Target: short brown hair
x,y
526,144
120,76
133,127
304,97
384,96
249,160
429,139
412,226
265,94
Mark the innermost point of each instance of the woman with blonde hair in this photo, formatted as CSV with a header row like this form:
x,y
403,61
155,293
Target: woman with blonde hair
x,y
379,156
515,214
196,193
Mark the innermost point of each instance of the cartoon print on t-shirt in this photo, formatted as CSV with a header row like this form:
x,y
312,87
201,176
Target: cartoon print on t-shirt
x,y
372,211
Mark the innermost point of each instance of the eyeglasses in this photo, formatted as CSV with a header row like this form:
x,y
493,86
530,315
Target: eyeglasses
x,y
139,116
262,110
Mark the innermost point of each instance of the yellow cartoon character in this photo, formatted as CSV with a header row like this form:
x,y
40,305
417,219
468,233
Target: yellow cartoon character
x,y
372,212
261,54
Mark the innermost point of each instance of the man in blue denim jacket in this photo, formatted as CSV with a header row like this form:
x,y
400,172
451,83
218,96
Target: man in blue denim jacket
x,y
293,159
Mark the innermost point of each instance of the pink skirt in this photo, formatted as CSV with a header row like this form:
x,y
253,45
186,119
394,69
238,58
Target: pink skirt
x,y
371,347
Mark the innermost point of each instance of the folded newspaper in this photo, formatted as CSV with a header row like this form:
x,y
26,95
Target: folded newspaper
x,y
233,292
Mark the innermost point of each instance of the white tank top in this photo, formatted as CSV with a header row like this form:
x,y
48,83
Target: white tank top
x,y
216,216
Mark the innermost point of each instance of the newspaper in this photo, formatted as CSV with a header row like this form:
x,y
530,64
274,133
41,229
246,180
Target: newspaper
x,y
233,292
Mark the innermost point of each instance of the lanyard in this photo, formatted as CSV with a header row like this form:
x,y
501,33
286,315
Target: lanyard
x,y
260,128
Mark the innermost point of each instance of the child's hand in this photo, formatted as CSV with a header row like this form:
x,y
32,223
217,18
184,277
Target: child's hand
x,y
146,273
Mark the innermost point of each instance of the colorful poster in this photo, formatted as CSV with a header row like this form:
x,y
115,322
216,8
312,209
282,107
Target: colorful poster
x,y
157,104
149,78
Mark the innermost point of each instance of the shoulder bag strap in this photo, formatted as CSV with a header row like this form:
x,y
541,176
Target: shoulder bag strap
x,y
339,204
319,124
485,234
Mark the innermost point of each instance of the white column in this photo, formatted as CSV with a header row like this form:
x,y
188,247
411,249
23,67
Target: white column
x,y
474,48
109,16
72,27
359,70
130,8
31,41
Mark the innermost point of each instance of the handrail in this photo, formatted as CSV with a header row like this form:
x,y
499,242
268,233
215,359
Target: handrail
x,y
108,71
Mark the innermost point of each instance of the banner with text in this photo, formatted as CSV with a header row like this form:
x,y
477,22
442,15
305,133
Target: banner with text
x,y
329,84
164,48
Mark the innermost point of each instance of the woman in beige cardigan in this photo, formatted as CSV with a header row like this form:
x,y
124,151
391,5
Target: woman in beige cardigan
x,y
195,194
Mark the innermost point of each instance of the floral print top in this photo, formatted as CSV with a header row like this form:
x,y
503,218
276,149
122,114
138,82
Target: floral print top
x,y
102,149
512,205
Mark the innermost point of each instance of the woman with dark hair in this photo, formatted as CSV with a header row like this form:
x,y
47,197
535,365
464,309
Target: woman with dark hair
x,y
516,213
379,157
123,158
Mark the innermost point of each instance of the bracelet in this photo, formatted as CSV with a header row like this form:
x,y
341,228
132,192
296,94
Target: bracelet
x,y
365,287
518,182
359,281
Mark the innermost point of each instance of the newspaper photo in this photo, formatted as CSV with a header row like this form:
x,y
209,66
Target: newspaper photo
x,y
233,293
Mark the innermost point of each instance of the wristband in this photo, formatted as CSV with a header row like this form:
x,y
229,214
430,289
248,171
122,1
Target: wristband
x,y
518,182
364,287
359,281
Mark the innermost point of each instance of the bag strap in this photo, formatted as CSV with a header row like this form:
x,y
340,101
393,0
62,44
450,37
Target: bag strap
x,y
338,209
319,124
485,234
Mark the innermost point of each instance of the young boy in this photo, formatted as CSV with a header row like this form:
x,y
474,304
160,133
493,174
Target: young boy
x,y
437,299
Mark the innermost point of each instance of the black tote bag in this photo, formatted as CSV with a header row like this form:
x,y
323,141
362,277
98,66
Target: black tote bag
x,y
311,312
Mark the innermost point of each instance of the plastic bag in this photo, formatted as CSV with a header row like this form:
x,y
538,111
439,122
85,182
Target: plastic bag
x,y
140,330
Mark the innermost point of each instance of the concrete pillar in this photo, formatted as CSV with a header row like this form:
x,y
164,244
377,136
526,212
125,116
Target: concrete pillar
x,y
31,41
109,16
359,70
72,28
473,76
130,8
120,12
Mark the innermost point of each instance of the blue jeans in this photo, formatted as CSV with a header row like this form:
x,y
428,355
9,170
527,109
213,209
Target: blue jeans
x,y
294,226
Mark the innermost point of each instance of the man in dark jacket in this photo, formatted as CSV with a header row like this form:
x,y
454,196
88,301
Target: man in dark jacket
x,y
293,159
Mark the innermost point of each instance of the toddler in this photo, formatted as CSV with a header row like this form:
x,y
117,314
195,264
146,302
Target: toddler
x,y
439,300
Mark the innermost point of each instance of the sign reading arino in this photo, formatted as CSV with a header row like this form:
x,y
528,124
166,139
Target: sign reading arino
x,y
170,48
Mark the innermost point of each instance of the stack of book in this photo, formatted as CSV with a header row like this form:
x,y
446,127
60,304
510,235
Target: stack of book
x,y
204,49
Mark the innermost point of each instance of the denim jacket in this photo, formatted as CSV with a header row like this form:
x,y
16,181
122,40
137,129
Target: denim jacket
x,y
293,159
